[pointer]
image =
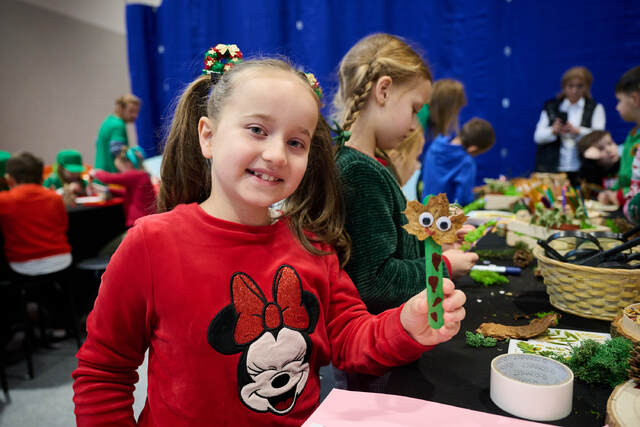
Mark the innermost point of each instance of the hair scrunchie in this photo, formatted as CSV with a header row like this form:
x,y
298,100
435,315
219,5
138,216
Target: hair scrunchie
x,y
221,58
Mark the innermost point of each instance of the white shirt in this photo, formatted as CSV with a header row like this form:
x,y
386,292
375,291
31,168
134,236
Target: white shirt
x,y
569,161
46,265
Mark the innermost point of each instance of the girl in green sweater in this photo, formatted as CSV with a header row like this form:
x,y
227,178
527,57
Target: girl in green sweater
x,y
383,85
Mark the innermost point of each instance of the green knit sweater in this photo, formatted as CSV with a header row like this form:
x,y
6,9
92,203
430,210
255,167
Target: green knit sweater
x,y
387,263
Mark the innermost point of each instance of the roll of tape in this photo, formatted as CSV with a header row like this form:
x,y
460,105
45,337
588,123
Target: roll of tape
x,y
531,386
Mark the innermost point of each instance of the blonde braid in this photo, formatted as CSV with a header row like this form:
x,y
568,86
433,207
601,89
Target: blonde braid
x,y
361,93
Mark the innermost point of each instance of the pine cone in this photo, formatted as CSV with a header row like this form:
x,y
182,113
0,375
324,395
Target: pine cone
x,y
634,363
522,258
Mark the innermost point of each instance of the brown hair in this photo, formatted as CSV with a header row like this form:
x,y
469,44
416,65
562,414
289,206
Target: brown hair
x,y
25,168
372,57
315,209
581,73
447,100
477,132
591,139
630,81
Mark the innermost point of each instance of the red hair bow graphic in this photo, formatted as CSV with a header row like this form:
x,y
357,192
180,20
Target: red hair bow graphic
x,y
256,314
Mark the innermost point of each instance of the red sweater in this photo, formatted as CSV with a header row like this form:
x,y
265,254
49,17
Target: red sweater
x,y
238,320
34,223
139,197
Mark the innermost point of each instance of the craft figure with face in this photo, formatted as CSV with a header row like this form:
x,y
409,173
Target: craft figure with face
x,y
433,220
273,338
432,223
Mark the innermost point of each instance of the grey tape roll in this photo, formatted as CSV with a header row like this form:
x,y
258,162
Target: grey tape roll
x,y
531,386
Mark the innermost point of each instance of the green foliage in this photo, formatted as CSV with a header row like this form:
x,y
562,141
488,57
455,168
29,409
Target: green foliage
x,y
501,254
596,363
612,225
476,234
479,340
497,186
474,206
488,278
542,314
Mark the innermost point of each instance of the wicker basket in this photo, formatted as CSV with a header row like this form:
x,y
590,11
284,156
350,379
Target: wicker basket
x,y
596,293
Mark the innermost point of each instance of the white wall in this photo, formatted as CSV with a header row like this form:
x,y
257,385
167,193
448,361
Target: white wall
x,y
60,75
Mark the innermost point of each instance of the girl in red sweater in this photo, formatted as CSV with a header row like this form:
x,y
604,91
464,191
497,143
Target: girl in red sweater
x,y
139,196
239,307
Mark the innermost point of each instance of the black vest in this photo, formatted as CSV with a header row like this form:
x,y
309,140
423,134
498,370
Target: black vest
x,y
548,155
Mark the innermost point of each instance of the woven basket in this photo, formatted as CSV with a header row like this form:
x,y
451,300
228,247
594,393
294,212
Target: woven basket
x,y
595,293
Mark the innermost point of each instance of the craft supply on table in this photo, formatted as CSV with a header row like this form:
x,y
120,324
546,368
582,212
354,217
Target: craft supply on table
x,y
623,404
498,269
531,386
342,408
596,293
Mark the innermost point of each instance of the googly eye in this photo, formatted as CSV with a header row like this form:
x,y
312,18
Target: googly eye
x,y
425,219
443,223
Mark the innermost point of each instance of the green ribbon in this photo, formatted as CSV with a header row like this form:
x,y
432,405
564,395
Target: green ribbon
x,y
341,135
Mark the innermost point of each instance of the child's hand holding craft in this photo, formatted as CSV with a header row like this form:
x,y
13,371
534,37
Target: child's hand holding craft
x,y
461,262
414,317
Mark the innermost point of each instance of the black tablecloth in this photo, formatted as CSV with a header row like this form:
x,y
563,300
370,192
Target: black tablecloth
x,y
92,227
456,374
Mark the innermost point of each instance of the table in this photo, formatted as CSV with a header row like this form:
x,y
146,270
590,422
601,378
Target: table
x,y
92,227
458,375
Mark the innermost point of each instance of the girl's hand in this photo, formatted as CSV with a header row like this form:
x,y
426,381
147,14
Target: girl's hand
x,y
466,228
461,262
414,315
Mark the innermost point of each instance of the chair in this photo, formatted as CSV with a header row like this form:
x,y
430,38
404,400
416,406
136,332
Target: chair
x,y
34,288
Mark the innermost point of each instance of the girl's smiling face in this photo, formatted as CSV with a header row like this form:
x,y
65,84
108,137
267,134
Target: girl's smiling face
x,y
259,145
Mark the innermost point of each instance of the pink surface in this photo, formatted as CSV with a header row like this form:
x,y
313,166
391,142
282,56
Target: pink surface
x,y
352,408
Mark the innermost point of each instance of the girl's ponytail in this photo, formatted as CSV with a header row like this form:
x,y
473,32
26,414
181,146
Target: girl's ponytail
x,y
185,174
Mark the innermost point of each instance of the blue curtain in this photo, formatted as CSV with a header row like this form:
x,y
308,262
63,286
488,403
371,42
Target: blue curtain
x,y
510,55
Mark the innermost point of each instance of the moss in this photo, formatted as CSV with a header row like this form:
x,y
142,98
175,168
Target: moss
x,y
479,340
596,363
488,278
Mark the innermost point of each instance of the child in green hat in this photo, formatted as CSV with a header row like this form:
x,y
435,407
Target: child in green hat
x,y
68,170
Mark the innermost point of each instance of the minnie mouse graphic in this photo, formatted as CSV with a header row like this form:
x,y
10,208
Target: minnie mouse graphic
x,y
273,338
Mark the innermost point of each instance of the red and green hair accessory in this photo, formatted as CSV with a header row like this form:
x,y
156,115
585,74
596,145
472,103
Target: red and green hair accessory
x,y
314,84
221,58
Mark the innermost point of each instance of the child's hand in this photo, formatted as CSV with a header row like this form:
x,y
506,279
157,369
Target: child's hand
x,y
608,197
557,127
466,228
414,315
461,262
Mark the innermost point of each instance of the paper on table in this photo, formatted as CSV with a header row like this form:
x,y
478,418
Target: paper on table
x,y
354,408
556,340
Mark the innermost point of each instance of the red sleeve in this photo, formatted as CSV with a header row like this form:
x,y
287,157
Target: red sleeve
x,y
360,341
113,178
447,264
620,196
118,334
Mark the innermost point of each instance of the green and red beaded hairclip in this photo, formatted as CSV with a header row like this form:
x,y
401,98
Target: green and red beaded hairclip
x,y
314,84
221,58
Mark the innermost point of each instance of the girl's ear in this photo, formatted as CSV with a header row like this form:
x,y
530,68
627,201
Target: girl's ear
x,y
635,98
206,131
382,89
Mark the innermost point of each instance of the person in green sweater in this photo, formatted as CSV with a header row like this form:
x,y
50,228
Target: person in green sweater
x,y
112,135
383,84
628,95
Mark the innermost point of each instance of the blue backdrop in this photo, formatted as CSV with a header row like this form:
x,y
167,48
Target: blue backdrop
x,y
510,54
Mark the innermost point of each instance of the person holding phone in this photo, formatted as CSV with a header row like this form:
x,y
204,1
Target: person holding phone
x,y
565,119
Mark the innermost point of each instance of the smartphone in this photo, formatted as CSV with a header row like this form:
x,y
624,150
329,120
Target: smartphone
x,y
562,115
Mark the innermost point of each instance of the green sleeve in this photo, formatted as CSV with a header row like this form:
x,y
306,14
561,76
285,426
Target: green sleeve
x,y
387,264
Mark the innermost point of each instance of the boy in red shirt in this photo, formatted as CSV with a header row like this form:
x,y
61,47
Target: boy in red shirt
x,y
33,220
